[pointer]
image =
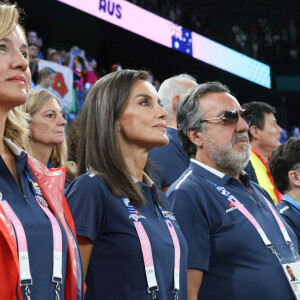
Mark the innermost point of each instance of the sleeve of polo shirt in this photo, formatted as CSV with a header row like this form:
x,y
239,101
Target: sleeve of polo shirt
x,y
86,201
186,206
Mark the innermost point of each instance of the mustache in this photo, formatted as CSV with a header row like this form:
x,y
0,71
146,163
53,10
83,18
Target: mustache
x,y
242,135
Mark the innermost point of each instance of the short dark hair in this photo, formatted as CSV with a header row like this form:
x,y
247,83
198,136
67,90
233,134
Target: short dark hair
x,y
99,149
189,113
285,158
258,111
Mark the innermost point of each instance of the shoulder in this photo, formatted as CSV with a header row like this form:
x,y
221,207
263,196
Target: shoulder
x,y
188,181
251,172
283,208
87,185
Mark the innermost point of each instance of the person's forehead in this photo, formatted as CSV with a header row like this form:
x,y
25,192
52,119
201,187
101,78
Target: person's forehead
x,y
269,117
214,103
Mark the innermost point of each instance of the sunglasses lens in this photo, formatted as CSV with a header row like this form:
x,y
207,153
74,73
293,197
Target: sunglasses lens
x,y
246,115
231,116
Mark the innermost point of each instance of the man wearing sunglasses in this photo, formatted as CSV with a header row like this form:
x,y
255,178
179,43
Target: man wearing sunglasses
x,y
264,135
223,215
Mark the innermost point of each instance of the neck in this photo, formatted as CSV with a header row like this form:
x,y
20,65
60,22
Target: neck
x,y
265,153
295,194
135,159
41,152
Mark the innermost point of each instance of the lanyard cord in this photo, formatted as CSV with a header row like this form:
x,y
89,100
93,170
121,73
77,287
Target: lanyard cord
x,y
147,250
25,275
250,217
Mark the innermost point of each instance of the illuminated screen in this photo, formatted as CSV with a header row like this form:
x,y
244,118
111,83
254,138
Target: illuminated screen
x,y
162,31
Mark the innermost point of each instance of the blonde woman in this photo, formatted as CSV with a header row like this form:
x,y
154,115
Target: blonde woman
x,y
39,257
47,141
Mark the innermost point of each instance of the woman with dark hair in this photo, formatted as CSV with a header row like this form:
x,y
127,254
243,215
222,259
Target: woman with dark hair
x,y
285,170
39,256
131,245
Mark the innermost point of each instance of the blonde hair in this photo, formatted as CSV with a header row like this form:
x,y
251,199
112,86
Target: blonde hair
x,y
16,125
9,18
59,157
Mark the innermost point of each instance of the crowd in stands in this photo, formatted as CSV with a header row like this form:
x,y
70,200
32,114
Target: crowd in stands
x,y
84,68
274,44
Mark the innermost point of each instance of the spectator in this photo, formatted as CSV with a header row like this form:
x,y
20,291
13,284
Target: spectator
x,y
39,255
223,215
283,136
47,137
295,132
285,169
123,110
46,79
80,67
170,161
92,75
264,134
33,61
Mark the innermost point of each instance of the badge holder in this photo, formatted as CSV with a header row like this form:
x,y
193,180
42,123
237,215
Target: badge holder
x,y
291,269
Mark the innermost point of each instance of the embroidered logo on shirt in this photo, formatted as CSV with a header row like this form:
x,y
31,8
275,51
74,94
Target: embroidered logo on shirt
x,y
232,207
169,215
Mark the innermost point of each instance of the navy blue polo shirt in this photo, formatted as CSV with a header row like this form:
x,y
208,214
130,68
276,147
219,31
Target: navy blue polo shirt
x,y
223,243
289,208
116,269
36,225
169,161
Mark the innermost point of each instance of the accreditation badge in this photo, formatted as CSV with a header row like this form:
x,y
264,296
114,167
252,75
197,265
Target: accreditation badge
x,y
292,273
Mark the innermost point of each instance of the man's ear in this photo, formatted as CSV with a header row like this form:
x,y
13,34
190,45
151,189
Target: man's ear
x,y
175,102
294,178
255,131
196,137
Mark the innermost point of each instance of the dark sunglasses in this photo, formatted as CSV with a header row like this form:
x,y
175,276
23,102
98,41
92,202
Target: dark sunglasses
x,y
232,116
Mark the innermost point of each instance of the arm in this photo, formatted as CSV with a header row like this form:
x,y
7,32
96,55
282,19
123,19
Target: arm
x,y
194,282
86,247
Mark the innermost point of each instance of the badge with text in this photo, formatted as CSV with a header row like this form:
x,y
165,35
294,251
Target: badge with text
x,y
292,273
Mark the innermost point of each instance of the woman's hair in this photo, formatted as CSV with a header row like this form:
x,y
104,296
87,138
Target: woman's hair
x,y
16,128
45,72
99,148
35,101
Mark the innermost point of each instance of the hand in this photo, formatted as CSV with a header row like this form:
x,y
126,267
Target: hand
x,y
82,54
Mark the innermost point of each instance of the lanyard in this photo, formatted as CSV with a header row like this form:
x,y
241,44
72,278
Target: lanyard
x,y
250,217
25,275
147,250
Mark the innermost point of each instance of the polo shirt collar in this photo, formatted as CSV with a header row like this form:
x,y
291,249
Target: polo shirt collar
x,y
212,174
13,147
292,201
20,155
146,180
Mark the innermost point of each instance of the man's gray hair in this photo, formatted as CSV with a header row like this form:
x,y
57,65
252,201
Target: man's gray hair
x,y
190,114
171,87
